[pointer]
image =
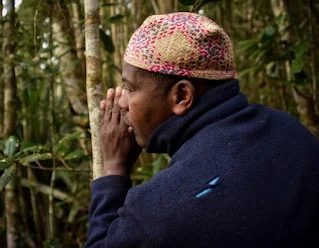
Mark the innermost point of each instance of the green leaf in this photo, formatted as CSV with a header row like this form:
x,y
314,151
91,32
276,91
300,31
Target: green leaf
x,y
115,19
36,148
2,145
246,44
73,212
4,164
35,157
272,69
11,146
62,149
159,163
7,176
32,148
107,42
297,65
75,155
248,70
64,145
25,144
202,3
281,18
270,30
187,2
300,49
267,34
145,171
70,137
48,49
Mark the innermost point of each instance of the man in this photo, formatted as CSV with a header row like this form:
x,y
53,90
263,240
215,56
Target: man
x,y
240,175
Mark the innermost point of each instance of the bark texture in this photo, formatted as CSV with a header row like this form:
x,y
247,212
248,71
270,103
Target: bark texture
x,y
10,94
93,80
79,38
70,65
1,78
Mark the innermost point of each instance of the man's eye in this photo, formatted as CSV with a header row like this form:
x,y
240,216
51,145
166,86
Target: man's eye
x,y
128,89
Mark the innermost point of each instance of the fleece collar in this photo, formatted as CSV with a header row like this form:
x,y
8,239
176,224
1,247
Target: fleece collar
x,y
216,104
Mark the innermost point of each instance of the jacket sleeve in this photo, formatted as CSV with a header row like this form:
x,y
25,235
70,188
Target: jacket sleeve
x,y
110,224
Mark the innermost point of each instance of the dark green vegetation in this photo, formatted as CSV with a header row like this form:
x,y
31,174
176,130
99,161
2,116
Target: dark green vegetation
x,y
45,147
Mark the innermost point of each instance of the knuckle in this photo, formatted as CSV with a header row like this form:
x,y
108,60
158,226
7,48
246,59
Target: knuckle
x,y
116,108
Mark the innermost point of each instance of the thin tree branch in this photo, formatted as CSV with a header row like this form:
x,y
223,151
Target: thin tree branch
x,y
47,191
155,7
35,26
51,169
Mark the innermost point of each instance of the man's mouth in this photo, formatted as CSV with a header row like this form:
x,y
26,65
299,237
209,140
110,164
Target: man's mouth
x,y
130,129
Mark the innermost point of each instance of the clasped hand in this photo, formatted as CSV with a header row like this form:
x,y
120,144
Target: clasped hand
x,y
119,148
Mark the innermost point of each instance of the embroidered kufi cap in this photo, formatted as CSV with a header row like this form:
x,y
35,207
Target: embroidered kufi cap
x,y
184,44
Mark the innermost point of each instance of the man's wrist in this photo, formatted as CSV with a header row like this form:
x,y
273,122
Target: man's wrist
x,y
111,169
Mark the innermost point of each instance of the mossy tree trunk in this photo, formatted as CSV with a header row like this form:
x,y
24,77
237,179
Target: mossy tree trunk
x,y
10,95
93,79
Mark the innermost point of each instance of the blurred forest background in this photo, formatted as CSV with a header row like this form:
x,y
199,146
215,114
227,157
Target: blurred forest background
x,y
45,144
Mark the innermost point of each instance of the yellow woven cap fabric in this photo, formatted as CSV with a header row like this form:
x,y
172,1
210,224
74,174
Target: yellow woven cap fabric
x,y
184,44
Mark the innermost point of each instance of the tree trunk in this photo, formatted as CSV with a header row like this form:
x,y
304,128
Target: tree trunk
x,y
71,72
165,6
10,86
1,78
305,98
117,38
10,94
79,39
93,79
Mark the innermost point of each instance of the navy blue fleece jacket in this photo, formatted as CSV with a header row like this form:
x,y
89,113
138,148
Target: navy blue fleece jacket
x,y
240,176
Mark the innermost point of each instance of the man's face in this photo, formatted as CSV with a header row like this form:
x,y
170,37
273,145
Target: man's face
x,y
146,104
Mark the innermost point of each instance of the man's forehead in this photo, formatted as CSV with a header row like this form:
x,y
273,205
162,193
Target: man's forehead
x,y
129,73
134,75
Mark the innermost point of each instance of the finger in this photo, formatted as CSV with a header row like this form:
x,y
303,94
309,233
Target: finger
x,y
123,123
102,108
116,108
109,104
102,105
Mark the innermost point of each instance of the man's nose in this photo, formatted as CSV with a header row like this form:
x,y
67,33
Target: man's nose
x,y
123,102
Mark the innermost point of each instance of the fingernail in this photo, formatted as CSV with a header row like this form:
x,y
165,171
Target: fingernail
x,y
118,90
102,104
110,92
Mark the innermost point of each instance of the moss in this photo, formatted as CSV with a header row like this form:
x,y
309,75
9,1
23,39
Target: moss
x,y
92,18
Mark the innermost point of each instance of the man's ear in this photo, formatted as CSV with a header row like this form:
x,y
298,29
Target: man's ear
x,y
182,96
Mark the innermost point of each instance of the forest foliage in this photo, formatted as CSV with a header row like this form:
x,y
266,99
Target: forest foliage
x,y
45,137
